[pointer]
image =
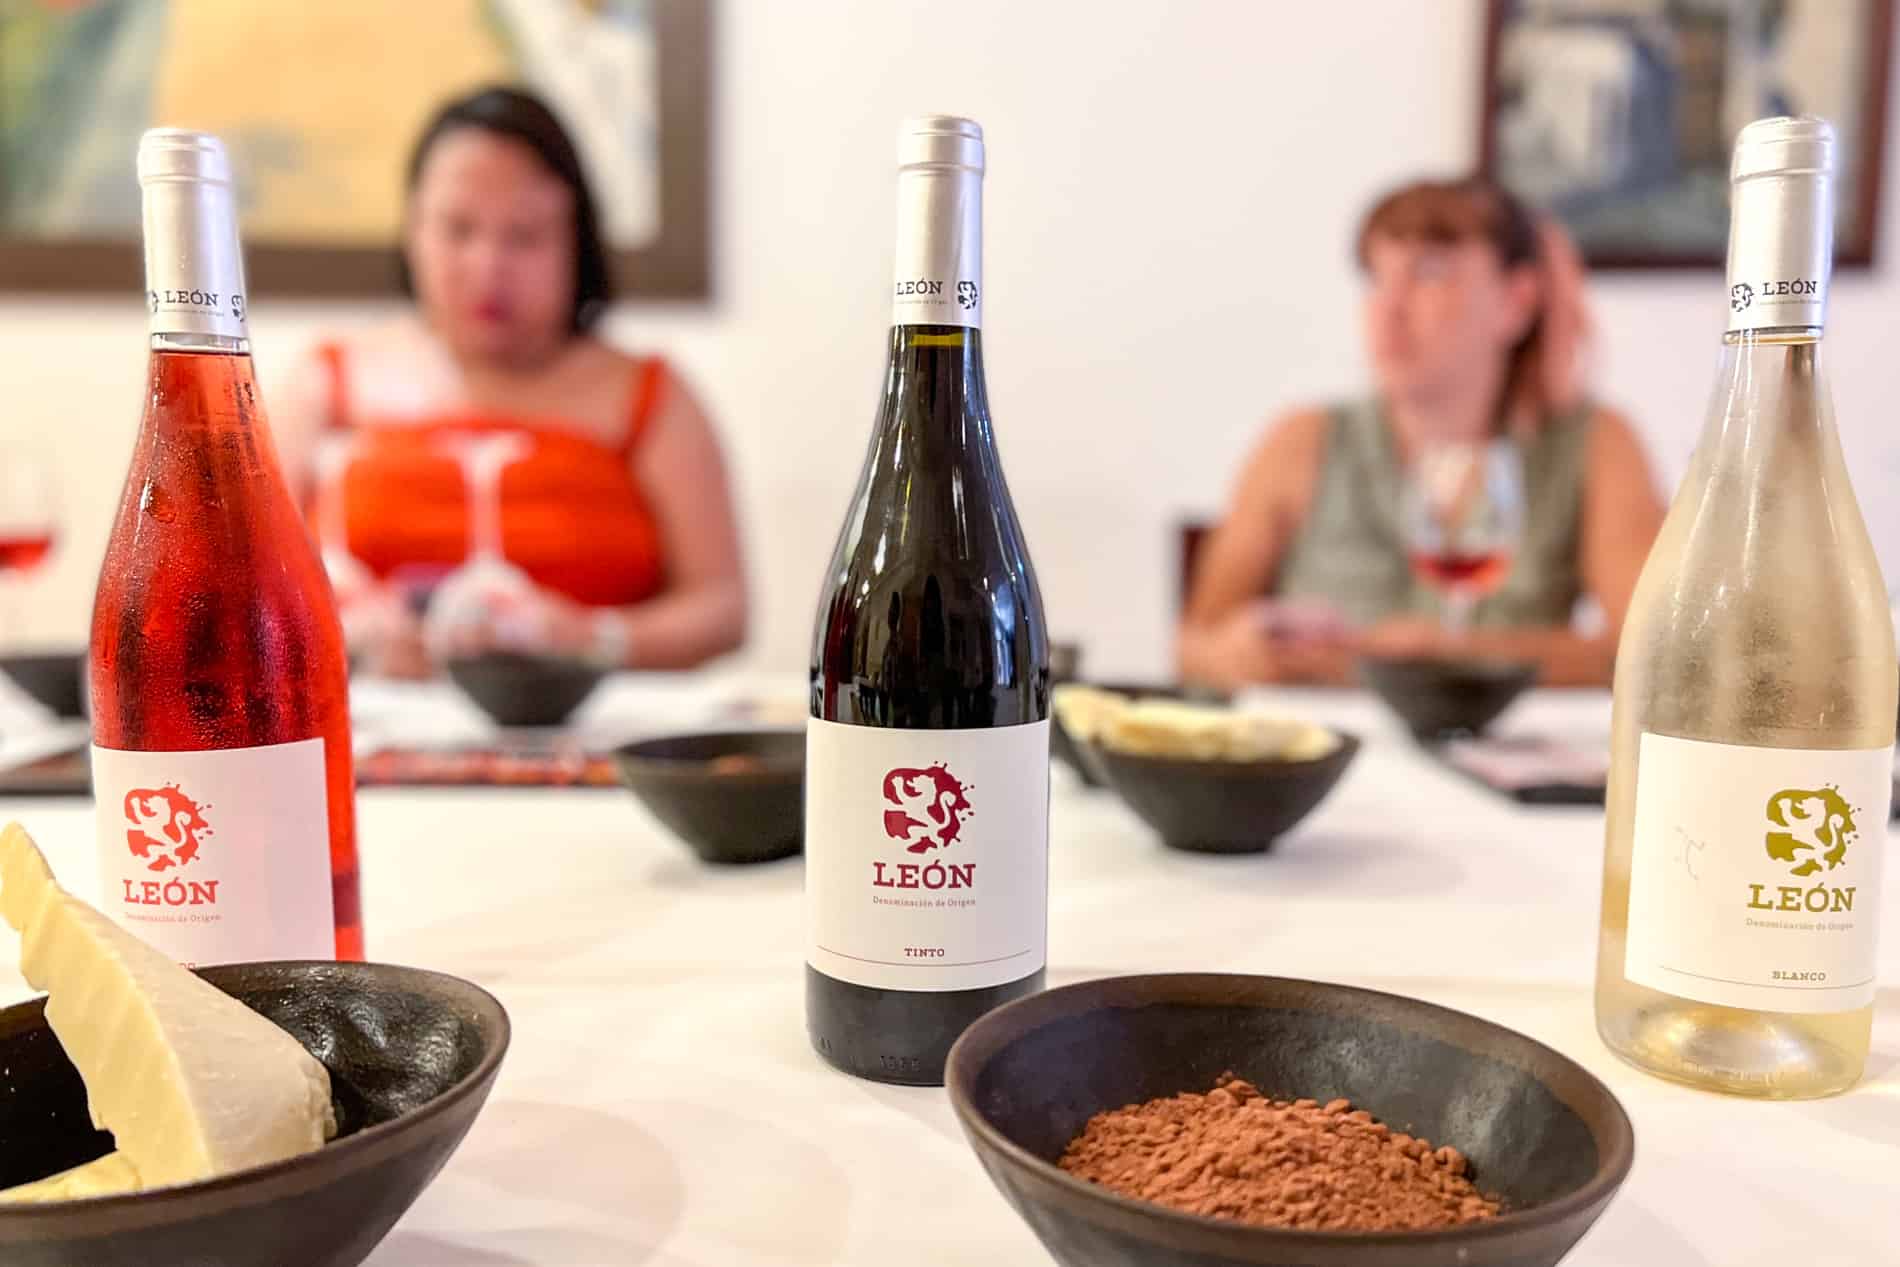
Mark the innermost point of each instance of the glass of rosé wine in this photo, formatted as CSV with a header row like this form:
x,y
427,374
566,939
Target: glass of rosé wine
x,y
29,525
1462,515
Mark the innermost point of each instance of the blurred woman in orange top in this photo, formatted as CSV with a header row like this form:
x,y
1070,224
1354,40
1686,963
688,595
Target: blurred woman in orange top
x,y
613,501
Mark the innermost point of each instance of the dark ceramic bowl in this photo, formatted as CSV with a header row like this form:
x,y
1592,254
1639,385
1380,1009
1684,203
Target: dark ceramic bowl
x,y
1223,806
1437,699
753,813
54,680
411,1054
525,690
1081,758
1539,1130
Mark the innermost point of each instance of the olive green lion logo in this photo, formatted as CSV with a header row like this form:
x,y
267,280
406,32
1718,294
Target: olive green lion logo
x,y
1812,829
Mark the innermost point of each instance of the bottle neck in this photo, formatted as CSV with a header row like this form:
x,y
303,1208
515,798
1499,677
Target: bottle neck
x,y
195,389
213,344
935,390
1773,416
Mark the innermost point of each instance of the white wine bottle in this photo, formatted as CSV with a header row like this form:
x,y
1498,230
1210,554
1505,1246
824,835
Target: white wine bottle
x,y
1752,758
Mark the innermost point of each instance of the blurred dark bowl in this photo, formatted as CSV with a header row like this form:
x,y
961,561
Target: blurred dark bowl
x,y
1065,662
1081,758
56,680
412,1056
525,690
733,797
1223,806
1539,1130
1440,698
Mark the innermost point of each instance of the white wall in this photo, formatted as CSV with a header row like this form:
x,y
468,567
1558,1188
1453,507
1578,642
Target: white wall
x,y
1171,196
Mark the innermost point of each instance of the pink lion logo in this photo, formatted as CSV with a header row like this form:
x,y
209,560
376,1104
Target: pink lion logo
x,y
167,826
930,803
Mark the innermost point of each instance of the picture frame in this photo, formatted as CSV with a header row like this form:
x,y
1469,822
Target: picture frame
x,y
80,242
1618,117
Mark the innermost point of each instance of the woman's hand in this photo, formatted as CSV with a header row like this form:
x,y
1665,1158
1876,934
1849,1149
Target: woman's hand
x,y
1405,637
493,606
1228,653
1291,641
399,652
379,627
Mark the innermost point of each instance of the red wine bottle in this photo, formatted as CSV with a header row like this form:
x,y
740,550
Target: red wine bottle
x,y
927,775
221,760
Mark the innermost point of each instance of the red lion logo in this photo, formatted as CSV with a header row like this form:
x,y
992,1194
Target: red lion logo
x,y
930,804
167,826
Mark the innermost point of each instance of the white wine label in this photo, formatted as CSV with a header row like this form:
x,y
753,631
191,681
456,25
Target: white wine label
x,y
220,856
1755,873
927,855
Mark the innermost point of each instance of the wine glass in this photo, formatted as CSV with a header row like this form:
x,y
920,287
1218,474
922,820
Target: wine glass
x,y
470,595
29,525
1463,516
335,453
373,616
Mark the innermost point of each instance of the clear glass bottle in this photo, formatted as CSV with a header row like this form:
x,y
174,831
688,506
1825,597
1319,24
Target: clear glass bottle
x,y
1752,754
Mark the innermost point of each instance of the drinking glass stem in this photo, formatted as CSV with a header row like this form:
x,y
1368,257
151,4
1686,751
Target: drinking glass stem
x,y
483,461
1457,612
485,503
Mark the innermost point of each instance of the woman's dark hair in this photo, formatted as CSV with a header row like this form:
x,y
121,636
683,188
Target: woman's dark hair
x,y
525,119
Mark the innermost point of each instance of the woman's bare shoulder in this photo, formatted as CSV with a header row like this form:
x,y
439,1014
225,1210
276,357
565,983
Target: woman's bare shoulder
x,y
1300,429
1613,437
1610,422
596,355
1290,447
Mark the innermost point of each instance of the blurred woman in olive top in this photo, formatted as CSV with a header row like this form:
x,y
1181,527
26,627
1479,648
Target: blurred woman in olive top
x,y
1474,322
616,520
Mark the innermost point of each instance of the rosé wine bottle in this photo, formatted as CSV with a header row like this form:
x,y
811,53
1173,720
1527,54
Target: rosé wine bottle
x,y
220,692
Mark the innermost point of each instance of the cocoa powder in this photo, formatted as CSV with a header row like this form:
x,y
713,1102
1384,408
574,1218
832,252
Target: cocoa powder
x,y
1235,1154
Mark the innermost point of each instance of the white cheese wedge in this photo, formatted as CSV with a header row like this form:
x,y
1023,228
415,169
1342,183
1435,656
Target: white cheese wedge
x,y
1210,732
99,1178
1085,710
190,1082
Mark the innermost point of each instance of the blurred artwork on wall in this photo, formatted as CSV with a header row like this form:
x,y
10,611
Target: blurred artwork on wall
x,y
1618,115
320,103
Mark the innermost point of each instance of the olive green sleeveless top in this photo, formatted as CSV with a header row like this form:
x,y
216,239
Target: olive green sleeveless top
x,y
1351,549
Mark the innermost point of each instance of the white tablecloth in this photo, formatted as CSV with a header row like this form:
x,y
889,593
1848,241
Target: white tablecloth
x,y
660,1105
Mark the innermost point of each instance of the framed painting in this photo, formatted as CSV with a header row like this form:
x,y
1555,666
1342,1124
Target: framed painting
x,y
1618,115
319,104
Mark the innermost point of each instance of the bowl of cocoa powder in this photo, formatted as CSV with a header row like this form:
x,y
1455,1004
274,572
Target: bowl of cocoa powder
x,y
1203,1120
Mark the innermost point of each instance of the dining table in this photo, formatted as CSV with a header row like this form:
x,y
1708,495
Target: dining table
x,y
660,1104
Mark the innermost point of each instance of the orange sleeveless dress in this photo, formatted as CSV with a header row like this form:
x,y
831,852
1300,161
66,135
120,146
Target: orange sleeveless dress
x,y
572,515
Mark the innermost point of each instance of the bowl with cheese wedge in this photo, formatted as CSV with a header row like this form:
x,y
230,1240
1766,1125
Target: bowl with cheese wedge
x,y
278,1114
1079,709
1217,779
